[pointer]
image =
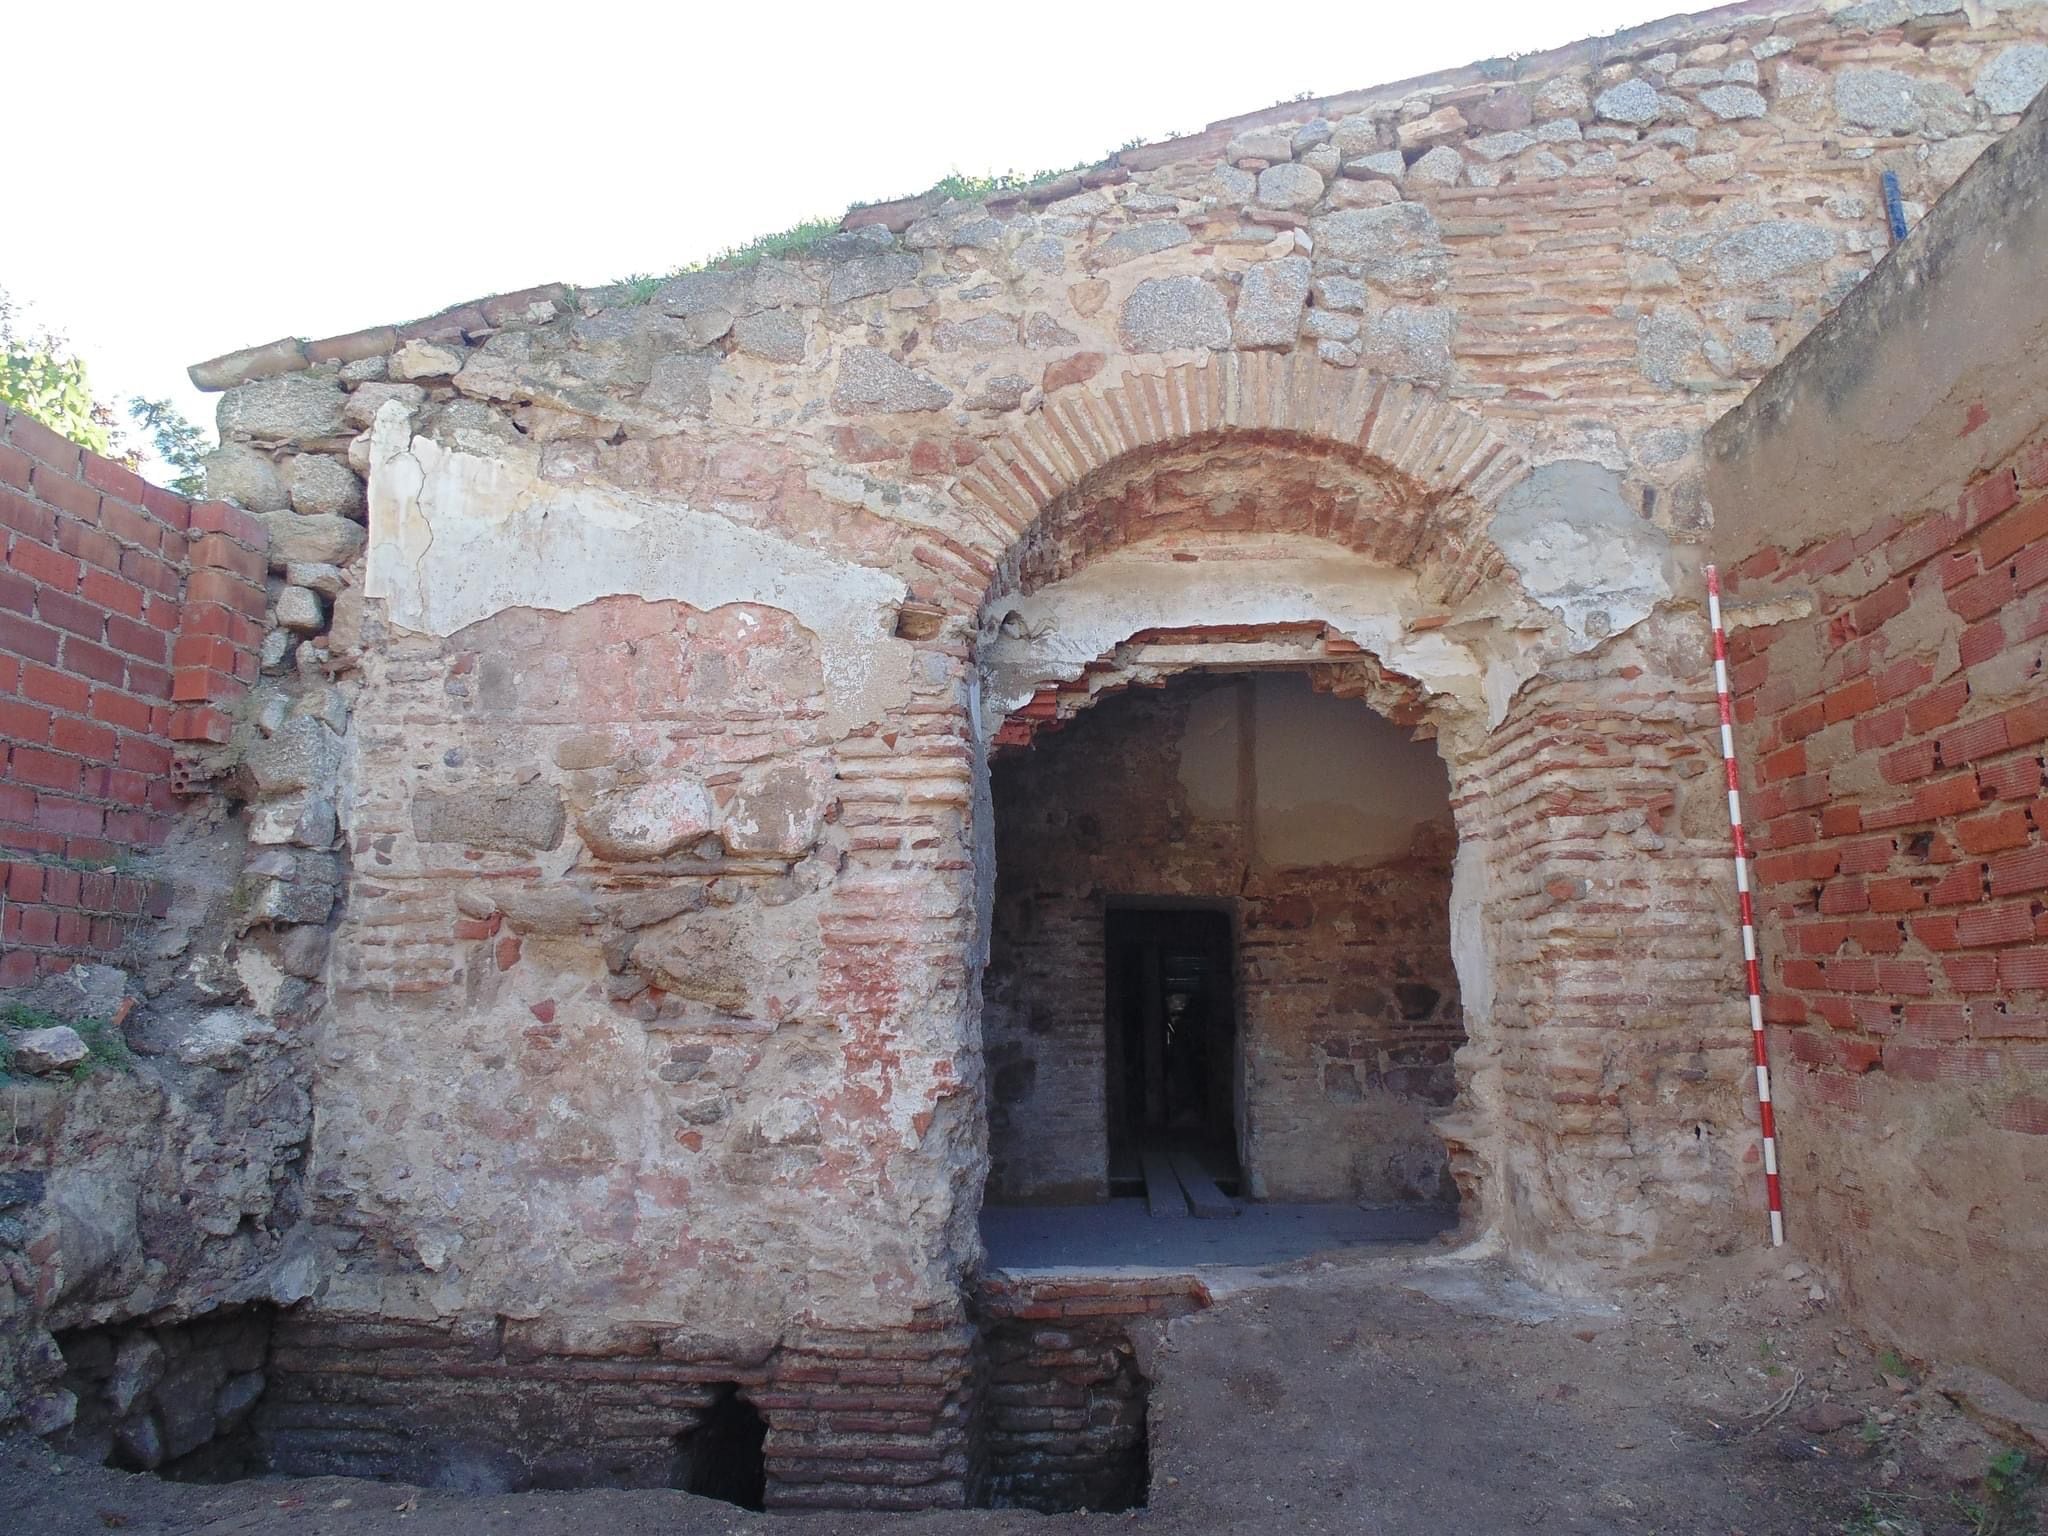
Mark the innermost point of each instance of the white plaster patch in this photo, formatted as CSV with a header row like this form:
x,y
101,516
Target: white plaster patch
x,y
1762,613
1469,890
649,821
1051,634
455,538
1581,551
261,975
910,506
778,810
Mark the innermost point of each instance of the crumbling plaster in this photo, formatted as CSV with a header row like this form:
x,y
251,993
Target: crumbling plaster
x,y
676,525
1057,630
456,537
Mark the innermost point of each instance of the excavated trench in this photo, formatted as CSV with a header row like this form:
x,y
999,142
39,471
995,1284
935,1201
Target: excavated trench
x,y
1062,1418
1405,1397
1051,1393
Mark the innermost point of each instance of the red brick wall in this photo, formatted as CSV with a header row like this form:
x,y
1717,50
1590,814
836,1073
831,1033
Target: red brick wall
x,y
1896,734
1882,497
1902,860
129,617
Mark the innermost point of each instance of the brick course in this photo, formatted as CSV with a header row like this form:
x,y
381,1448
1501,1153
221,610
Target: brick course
x,y
875,1419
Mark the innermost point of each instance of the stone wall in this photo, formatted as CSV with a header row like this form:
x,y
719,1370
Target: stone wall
x,y
1327,837
689,612
612,844
1886,511
173,1398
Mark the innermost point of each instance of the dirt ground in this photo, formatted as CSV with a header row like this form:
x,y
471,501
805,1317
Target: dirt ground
x,y
1358,1393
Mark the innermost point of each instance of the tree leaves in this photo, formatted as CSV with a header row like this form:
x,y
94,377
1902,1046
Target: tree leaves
x,y
178,443
41,378
53,389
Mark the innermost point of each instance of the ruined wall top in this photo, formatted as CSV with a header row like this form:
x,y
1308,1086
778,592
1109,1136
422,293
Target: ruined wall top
x,y
1816,450
685,609
1518,292
1488,110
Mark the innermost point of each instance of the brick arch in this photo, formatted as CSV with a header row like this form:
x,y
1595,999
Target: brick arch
x,y
1393,472
1443,467
1150,658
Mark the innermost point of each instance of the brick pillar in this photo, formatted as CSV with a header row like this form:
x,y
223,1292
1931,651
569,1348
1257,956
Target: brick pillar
x,y
220,628
1605,1121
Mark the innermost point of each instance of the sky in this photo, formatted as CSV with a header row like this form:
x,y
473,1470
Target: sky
x,y
183,179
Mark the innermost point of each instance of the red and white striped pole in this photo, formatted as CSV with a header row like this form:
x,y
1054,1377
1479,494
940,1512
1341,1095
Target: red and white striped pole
x,y
1753,975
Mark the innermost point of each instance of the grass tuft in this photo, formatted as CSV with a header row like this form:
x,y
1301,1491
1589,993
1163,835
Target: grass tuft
x,y
106,1048
2007,1508
640,287
793,241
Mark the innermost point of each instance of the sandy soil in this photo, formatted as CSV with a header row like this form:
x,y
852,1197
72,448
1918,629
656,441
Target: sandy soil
x,y
1359,1393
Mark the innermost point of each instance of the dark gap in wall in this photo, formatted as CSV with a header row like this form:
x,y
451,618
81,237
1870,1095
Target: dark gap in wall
x,y
176,1399
724,1457
1317,835
1172,1021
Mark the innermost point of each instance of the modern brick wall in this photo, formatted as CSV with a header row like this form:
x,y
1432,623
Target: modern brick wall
x,y
130,621
1882,499
1896,738
1903,818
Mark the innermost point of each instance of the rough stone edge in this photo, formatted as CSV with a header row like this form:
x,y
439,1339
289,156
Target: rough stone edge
x,y
1594,51
290,355
293,355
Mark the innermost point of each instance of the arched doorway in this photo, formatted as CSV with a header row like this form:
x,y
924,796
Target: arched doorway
x,y
1210,515
1258,981
1220,947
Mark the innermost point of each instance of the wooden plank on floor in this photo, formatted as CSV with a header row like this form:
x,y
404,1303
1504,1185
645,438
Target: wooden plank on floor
x,y
1203,1195
1163,1196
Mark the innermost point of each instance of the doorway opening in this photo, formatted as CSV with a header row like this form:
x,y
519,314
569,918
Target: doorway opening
x,y
1220,968
1174,1080
725,1456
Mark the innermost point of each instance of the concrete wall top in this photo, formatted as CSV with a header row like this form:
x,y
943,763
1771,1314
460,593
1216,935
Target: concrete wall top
x,y
1933,370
